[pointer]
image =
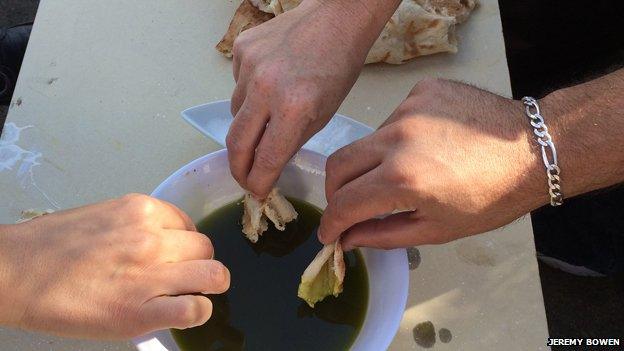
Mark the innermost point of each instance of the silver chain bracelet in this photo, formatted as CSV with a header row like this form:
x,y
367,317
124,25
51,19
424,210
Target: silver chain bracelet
x,y
544,139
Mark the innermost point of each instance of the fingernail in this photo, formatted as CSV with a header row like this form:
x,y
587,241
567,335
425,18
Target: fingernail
x,y
217,273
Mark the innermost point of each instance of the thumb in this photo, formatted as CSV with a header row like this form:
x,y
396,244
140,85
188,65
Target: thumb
x,y
179,312
395,231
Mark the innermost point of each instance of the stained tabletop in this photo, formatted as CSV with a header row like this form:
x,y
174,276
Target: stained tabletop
x,y
96,115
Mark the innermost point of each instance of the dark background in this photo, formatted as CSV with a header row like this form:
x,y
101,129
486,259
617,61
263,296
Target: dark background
x,y
550,44
14,12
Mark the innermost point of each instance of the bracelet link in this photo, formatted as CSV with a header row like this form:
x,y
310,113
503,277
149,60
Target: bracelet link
x,y
549,152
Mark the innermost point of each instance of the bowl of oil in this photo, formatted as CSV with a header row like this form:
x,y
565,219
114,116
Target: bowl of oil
x,y
261,311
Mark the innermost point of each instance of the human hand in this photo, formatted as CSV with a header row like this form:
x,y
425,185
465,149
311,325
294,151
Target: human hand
x,y
456,160
112,270
292,73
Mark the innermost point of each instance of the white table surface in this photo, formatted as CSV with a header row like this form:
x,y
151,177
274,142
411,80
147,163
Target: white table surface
x,y
101,88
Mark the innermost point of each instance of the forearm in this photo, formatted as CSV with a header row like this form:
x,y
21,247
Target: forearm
x,y
4,264
7,254
587,125
372,14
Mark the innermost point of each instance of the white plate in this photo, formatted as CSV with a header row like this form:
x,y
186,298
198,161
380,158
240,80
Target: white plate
x,y
213,120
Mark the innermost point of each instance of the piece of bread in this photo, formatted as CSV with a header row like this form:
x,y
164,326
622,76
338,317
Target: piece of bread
x,y
417,28
413,32
246,16
458,9
279,210
275,207
254,223
324,276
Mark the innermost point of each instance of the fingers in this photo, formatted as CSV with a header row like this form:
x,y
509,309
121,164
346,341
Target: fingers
x,y
178,312
243,137
181,245
361,199
178,218
191,277
278,144
350,162
398,230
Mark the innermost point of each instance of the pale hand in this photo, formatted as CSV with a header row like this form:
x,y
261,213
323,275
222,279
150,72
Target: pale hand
x,y
453,160
291,75
112,270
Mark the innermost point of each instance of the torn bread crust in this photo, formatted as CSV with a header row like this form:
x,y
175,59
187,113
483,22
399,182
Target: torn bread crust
x,y
276,7
339,264
279,210
275,207
254,224
268,6
417,28
324,276
246,16
458,9
413,32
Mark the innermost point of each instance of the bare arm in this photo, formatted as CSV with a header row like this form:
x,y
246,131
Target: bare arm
x,y
463,161
587,124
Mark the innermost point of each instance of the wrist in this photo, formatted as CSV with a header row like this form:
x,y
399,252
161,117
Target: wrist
x,y
547,148
586,155
532,190
585,122
373,12
358,22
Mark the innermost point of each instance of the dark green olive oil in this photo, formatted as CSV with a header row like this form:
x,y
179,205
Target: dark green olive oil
x,y
261,311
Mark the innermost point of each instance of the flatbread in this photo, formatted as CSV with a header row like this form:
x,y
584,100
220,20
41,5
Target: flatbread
x,y
246,16
275,207
275,7
413,32
324,276
458,9
417,28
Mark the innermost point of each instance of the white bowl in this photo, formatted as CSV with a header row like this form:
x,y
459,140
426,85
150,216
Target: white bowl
x,y
206,184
